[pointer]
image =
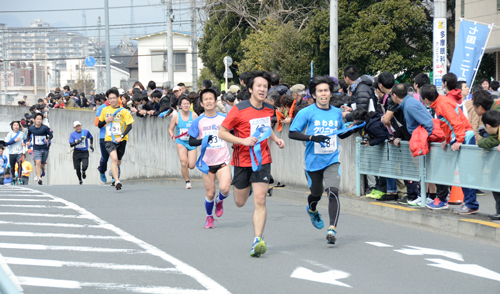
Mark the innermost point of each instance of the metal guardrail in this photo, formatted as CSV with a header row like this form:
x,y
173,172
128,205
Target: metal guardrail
x,y
470,167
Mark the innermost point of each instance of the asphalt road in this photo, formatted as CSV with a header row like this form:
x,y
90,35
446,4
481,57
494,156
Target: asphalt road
x,y
150,239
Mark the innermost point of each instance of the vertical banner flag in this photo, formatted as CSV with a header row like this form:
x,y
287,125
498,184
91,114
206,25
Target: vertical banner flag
x,y
439,50
469,49
312,68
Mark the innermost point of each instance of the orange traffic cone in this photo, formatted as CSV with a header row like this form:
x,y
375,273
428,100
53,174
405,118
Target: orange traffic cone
x,y
456,195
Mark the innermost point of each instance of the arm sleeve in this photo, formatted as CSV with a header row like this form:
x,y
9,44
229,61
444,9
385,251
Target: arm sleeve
x,y
457,125
194,142
50,134
101,124
298,136
127,130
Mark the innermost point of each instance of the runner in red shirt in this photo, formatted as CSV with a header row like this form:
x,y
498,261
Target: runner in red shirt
x,y
247,118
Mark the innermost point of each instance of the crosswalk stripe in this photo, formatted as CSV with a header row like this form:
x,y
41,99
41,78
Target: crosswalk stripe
x,y
52,225
45,215
35,206
112,266
52,235
29,200
66,248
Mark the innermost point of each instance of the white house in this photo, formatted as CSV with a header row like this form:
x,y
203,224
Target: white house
x,y
152,58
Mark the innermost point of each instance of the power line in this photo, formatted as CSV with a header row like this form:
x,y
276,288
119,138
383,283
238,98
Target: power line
x,y
80,9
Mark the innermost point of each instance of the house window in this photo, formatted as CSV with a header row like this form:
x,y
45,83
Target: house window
x,y
462,8
22,81
159,61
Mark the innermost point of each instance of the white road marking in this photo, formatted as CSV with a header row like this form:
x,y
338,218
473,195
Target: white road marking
x,y
210,285
69,284
65,248
378,244
112,266
470,269
329,277
35,206
429,251
44,215
26,195
51,225
51,235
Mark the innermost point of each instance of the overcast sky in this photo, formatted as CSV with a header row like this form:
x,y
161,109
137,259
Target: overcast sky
x,y
64,19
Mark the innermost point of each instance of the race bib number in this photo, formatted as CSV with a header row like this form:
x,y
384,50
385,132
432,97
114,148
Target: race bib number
x,y
182,131
216,142
82,144
258,123
17,149
330,146
39,140
113,128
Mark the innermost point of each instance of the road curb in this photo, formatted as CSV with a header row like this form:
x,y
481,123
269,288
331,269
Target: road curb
x,y
8,281
477,226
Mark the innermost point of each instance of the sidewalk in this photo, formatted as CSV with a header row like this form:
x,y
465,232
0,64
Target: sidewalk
x,y
476,225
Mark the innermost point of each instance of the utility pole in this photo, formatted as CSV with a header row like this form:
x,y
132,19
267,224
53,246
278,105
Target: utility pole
x,y
99,60
108,65
35,77
170,45
334,38
194,46
4,47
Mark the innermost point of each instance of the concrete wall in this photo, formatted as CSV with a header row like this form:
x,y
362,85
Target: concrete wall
x,y
151,153
8,114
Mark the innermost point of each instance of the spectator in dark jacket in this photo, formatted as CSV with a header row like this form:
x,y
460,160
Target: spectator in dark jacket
x,y
276,86
362,92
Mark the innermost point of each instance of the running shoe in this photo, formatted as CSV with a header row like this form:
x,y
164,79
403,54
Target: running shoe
x,y
103,177
43,173
418,201
258,247
209,224
118,185
84,175
388,197
219,209
36,178
465,210
188,185
404,200
81,182
40,182
316,220
331,236
494,216
480,193
437,204
112,182
375,194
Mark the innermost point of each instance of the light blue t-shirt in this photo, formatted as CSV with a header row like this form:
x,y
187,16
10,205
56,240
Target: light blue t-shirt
x,y
102,131
83,146
16,148
319,122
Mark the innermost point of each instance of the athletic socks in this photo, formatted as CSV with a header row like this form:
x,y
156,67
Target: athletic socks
x,y
220,197
209,206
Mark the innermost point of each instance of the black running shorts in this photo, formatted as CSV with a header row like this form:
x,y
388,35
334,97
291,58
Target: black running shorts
x,y
243,176
120,148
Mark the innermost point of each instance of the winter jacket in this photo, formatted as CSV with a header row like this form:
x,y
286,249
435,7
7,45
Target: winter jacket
x,y
453,121
474,119
455,95
415,114
420,138
375,129
362,93
489,142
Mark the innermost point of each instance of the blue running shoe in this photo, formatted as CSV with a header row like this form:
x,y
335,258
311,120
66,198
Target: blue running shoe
x,y
103,178
331,236
437,204
258,247
315,218
43,173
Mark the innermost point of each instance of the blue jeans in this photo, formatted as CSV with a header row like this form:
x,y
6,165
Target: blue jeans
x,y
470,194
392,186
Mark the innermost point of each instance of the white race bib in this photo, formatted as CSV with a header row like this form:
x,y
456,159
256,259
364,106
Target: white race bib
x,y
216,142
113,128
330,146
82,144
39,140
17,149
259,122
182,131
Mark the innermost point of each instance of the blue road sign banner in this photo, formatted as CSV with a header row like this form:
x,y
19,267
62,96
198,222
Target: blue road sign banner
x,y
469,49
90,61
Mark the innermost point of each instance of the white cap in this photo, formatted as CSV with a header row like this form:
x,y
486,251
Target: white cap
x,y
121,91
176,88
76,123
